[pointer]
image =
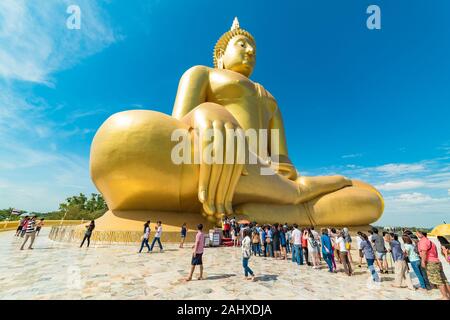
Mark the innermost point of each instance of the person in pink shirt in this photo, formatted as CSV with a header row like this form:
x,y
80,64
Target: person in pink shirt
x,y
430,262
197,253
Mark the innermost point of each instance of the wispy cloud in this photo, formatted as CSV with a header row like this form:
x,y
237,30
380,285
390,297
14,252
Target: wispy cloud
x,y
35,44
402,185
399,168
353,155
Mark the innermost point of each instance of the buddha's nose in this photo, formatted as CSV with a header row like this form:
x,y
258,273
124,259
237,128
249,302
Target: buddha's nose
x,y
250,50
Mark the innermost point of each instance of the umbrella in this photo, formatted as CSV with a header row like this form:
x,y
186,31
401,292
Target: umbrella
x,y
244,222
442,230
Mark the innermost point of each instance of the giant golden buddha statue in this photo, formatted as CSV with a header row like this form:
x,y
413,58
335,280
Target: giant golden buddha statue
x,y
131,158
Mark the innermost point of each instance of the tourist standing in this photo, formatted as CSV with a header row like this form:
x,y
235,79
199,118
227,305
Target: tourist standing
x,y
237,231
326,249
288,239
366,248
344,254
387,237
145,237
246,253
233,237
256,242
269,248
432,265
334,236
313,249
370,232
400,267
305,235
297,254
20,226
348,243
276,241
359,239
183,234
262,236
282,243
24,226
157,237
414,260
197,253
39,226
333,246
380,249
88,233
29,233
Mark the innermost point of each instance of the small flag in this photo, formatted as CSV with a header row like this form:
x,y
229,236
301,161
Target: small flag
x,y
15,212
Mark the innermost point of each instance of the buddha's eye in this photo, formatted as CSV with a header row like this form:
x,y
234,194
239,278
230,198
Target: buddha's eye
x,y
241,44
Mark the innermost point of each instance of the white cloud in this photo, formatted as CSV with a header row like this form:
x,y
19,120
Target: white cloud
x,y
354,155
34,44
34,40
415,197
401,185
400,168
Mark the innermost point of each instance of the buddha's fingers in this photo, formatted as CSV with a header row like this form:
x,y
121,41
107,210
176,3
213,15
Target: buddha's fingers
x,y
206,137
240,151
217,165
227,171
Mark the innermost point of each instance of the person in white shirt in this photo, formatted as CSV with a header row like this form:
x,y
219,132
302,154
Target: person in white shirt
x,y
297,254
340,242
358,243
157,237
246,253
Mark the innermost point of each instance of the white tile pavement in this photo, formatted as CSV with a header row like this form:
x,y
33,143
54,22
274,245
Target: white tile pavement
x,y
64,271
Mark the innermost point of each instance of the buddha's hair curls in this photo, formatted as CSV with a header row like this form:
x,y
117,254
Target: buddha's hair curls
x,y
222,43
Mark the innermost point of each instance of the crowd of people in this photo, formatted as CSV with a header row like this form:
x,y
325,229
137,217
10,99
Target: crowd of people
x,y
398,253
29,229
383,253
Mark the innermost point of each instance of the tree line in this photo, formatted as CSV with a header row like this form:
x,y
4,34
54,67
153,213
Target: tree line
x,y
78,207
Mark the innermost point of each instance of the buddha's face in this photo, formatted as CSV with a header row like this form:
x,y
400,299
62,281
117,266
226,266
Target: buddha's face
x,y
240,55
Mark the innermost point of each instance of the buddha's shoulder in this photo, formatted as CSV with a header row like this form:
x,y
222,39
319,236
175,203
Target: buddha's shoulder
x,y
197,71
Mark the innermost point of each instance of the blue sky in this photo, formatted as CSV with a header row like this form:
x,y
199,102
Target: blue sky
x,y
369,104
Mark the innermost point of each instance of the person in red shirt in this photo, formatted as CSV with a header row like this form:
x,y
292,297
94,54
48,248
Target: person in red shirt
x,y
226,228
430,262
197,253
305,245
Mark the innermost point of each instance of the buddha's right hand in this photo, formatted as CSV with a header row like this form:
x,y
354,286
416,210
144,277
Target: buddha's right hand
x,y
221,161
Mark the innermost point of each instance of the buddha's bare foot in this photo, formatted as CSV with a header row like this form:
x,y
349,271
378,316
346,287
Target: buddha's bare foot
x,y
356,205
313,187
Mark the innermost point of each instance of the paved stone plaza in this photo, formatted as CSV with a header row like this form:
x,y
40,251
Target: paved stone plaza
x,y
56,270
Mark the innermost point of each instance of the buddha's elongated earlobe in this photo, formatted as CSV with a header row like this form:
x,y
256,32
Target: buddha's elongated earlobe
x,y
220,62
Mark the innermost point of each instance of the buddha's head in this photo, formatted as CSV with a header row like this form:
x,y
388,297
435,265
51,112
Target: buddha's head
x,y
236,51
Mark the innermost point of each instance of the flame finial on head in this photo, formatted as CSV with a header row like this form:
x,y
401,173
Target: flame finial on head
x,y
235,24
222,43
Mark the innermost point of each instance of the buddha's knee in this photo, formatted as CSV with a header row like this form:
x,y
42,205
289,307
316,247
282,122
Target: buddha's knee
x,y
130,160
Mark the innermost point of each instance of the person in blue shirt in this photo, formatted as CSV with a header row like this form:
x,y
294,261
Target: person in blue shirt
x,y
283,242
326,249
263,240
369,254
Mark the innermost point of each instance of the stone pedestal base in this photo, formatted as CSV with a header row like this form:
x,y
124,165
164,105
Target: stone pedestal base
x,y
128,227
